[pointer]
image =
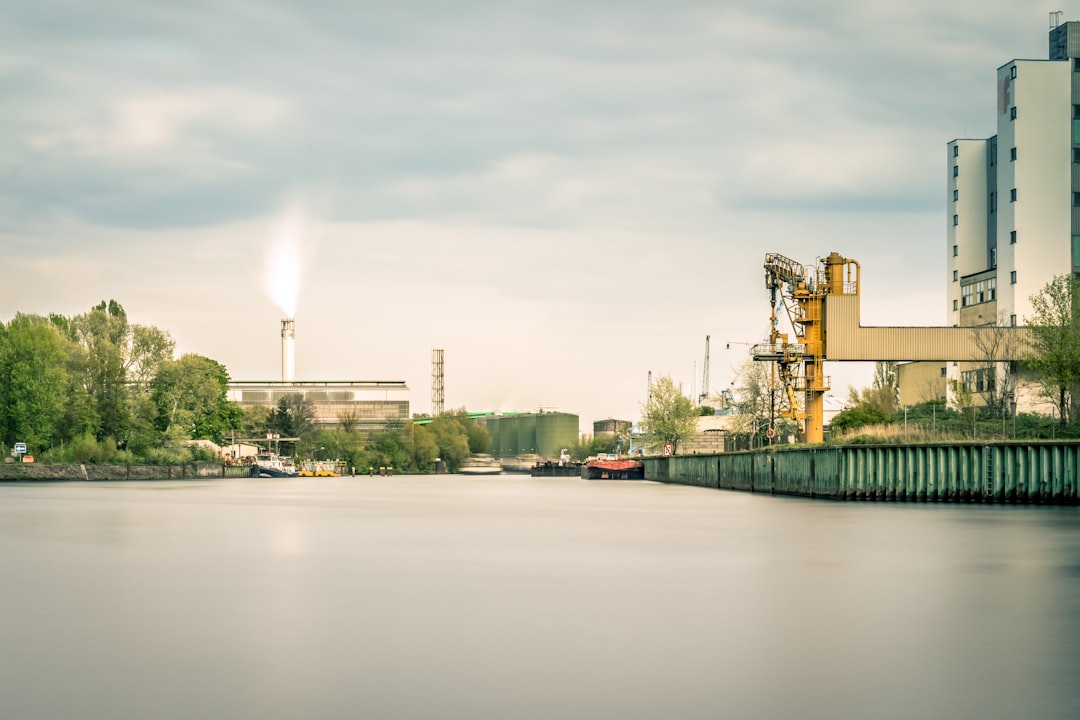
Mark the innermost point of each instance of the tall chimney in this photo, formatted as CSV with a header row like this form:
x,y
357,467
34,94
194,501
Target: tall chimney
x,y
288,350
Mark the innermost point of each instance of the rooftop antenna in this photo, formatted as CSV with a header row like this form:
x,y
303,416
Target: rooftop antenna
x,y
1055,18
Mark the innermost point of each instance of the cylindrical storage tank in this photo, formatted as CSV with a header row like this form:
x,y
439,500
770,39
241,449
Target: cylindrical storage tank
x,y
555,432
492,425
508,435
526,434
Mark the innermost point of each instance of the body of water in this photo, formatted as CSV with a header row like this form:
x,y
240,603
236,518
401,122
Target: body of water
x,y
510,597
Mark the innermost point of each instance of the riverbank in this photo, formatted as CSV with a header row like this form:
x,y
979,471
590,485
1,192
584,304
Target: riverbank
x,y
59,472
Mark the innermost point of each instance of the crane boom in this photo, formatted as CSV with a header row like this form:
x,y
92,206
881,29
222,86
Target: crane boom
x,y
800,291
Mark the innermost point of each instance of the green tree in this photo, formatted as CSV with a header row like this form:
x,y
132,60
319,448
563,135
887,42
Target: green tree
x,y
103,333
1054,332
294,418
338,444
590,446
33,381
669,416
190,396
858,416
385,449
452,438
255,421
423,448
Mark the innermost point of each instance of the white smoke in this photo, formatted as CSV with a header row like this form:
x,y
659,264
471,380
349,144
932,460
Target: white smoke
x,y
294,236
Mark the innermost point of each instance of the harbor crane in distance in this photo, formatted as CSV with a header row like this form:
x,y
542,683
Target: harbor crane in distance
x,y
704,394
799,292
821,303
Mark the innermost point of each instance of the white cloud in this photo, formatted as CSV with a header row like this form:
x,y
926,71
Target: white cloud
x,y
563,196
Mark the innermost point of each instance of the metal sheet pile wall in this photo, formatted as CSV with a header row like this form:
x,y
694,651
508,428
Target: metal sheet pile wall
x,y
1039,472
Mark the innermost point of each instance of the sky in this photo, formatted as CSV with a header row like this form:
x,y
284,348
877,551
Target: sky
x,y
563,196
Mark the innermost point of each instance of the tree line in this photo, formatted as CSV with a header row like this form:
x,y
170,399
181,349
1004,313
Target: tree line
x,y
97,387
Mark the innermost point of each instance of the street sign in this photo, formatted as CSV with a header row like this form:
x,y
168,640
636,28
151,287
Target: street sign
x,y
20,448
668,450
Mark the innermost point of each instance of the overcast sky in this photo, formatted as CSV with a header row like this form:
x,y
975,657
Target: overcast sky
x,y
561,195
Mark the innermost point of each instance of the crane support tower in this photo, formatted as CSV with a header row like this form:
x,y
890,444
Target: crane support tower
x,y
704,394
799,292
438,391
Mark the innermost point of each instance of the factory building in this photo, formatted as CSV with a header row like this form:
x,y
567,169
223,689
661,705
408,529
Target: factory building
x,y
611,428
1012,207
1013,214
369,405
366,405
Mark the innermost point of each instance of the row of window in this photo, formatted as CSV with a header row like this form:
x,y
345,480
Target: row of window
x,y
1012,151
978,292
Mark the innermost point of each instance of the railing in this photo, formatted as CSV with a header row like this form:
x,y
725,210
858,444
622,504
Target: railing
x,y
787,352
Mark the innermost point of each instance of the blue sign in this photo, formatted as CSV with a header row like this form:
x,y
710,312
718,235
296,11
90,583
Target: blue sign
x,y
20,448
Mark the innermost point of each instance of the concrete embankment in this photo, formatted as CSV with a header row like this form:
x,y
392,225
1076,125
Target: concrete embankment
x,y
39,472
1009,472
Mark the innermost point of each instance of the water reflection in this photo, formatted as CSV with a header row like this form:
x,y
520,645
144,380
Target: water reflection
x,y
509,597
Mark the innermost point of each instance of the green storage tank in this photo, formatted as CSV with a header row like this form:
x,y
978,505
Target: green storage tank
x,y
508,436
492,426
526,435
555,432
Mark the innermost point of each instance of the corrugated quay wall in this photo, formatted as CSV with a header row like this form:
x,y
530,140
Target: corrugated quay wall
x,y
1038,472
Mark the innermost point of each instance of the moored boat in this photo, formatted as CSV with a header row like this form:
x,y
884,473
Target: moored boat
x,y
613,468
480,464
272,465
520,464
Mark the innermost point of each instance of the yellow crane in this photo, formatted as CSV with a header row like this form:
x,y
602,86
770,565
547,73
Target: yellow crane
x,y
799,292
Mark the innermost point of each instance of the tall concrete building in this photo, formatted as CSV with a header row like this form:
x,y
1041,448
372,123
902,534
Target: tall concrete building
x,y
1013,204
1013,200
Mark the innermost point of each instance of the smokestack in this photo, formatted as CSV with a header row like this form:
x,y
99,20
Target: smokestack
x,y
288,350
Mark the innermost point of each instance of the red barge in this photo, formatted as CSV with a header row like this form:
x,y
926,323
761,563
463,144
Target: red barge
x,y
613,469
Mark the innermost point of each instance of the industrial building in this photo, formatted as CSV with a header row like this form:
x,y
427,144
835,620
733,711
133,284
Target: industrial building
x,y
544,434
611,428
364,404
1012,209
368,405
1013,202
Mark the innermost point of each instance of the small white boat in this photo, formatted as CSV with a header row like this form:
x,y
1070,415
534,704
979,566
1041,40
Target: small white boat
x,y
480,465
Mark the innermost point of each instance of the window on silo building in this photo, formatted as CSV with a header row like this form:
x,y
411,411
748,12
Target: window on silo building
x,y
1076,250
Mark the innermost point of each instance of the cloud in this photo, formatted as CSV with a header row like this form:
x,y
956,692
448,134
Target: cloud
x,y
564,195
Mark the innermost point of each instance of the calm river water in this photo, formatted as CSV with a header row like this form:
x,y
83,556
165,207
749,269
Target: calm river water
x,y
508,597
